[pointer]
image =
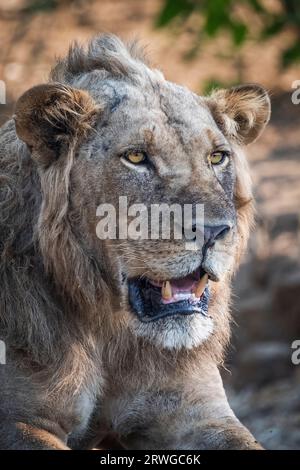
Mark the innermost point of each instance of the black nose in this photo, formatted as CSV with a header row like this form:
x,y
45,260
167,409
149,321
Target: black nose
x,y
213,233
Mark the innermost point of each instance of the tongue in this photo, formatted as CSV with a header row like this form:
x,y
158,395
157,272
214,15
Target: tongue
x,y
180,289
183,285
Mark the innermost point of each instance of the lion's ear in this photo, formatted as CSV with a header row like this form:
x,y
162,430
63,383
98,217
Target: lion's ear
x,y
241,112
51,117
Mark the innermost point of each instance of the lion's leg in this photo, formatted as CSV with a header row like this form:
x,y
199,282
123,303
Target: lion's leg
x,y
191,412
225,433
27,421
21,436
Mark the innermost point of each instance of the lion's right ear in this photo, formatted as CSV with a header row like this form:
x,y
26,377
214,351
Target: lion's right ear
x,y
51,117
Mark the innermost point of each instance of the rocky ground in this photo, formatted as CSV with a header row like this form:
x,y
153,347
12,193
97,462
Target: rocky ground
x,y
263,384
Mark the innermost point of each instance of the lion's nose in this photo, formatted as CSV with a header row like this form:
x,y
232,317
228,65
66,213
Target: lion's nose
x,y
213,233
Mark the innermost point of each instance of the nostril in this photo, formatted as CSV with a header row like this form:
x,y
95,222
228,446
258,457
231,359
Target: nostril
x,y
221,231
211,233
214,232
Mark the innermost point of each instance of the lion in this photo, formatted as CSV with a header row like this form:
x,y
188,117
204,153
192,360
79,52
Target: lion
x,y
120,338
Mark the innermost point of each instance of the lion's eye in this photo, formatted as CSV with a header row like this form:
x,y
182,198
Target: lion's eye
x,y
135,157
216,158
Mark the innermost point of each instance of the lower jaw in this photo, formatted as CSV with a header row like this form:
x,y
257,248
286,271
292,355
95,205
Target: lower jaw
x,y
176,333
148,307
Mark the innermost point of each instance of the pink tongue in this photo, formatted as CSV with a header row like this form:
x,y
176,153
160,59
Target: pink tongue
x,y
183,285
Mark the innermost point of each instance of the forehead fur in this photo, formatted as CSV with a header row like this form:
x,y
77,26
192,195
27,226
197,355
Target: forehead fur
x,y
106,53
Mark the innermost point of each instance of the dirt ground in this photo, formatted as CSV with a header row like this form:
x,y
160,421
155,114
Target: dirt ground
x,y
263,384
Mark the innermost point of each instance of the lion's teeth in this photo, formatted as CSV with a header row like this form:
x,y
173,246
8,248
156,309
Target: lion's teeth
x,y
199,288
166,290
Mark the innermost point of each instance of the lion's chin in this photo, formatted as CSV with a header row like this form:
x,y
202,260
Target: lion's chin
x,y
176,332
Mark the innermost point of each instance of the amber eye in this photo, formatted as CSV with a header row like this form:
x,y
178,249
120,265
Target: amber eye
x,y
135,157
216,158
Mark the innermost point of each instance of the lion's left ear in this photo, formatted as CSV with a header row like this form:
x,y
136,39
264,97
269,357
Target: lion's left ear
x,y
241,112
51,117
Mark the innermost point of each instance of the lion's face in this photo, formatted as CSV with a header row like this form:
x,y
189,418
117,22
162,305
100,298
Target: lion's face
x,y
163,146
154,143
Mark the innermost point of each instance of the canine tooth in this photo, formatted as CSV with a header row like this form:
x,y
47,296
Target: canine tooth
x,y
199,289
166,290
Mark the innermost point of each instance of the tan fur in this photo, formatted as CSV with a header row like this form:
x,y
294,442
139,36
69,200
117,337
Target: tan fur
x,y
40,437
88,364
241,111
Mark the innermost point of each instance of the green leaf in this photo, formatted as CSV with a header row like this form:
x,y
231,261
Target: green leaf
x,y
291,55
275,27
239,32
257,6
173,9
217,14
36,6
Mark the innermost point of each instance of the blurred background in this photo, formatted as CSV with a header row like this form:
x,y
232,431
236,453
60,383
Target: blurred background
x,y
207,44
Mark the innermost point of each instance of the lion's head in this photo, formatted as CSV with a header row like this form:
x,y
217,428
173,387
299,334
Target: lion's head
x,y
107,126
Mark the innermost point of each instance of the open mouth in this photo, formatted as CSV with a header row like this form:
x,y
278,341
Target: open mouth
x,y
151,300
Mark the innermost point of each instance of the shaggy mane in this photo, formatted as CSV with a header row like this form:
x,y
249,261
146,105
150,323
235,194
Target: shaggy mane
x,y
106,53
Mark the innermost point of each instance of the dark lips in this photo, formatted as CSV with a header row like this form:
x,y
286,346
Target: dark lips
x,y
146,303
